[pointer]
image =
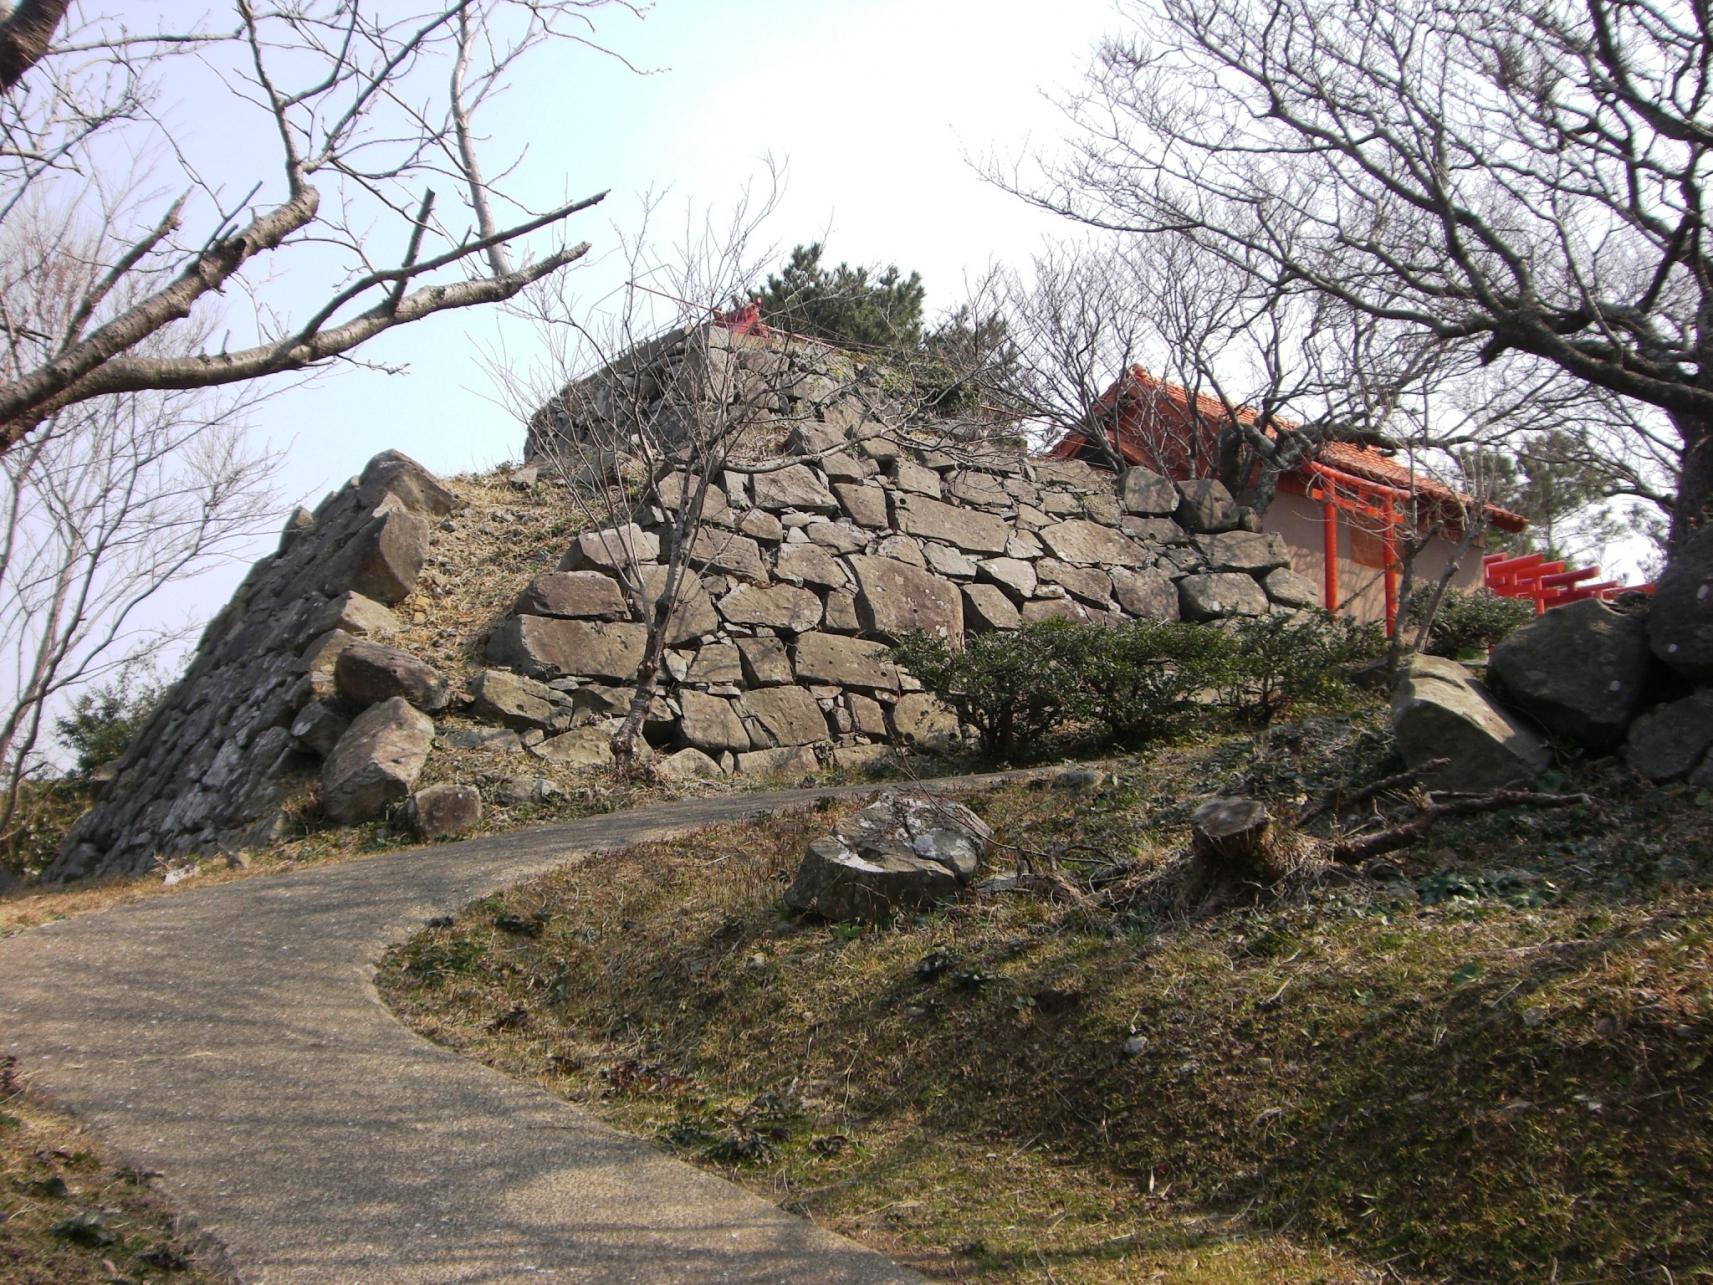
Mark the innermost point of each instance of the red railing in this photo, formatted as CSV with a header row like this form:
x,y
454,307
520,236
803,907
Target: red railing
x,y
1548,584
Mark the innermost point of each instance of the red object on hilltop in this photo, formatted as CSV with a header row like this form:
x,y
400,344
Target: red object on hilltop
x,y
744,321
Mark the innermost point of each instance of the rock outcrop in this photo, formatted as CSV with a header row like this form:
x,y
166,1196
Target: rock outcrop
x,y
1440,712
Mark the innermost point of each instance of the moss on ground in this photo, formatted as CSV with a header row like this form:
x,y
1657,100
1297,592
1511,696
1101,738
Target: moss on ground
x,y
1486,1058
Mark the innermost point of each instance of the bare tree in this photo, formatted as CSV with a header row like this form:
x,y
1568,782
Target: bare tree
x,y
364,112
112,500
1526,179
678,396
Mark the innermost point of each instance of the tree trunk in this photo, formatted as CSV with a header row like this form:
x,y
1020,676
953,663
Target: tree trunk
x,y
1694,508
25,35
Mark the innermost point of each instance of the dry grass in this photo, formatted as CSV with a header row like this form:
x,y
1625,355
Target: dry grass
x,y
1485,1061
70,1213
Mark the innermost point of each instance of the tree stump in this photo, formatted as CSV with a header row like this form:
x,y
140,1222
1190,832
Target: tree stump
x,y
1230,836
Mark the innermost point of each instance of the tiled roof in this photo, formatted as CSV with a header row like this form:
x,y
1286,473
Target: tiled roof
x,y
1350,457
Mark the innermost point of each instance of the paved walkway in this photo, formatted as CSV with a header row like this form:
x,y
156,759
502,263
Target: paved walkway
x,y
231,1038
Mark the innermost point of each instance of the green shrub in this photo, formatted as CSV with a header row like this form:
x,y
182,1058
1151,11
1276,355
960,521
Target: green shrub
x,y
1013,687
1142,678
1468,622
104,719
1280,661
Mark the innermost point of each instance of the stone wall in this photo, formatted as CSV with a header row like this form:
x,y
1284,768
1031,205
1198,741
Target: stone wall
x,y
779,661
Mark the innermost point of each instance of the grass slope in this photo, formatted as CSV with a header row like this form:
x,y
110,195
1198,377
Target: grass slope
x,y
1485,1059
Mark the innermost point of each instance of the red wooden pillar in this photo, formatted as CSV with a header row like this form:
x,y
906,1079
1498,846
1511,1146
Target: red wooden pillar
x,y
1389,555
1329,551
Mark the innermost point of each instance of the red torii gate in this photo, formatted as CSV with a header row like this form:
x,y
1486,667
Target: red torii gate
x,y
1548,584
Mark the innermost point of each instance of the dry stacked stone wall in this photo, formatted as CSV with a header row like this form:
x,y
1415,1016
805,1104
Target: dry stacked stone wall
x,y
778,658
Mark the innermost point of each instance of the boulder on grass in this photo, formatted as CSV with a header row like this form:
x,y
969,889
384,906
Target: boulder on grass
x,y
376,761
1666,742
901,852
1680,615
1578,671
1439,711
442,811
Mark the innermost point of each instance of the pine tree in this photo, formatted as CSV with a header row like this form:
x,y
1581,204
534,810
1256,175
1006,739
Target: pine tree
x,y
877,309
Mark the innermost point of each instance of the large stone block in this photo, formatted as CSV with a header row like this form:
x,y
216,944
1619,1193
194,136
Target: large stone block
x,y
779,606
1016,576
1091,584
1440,711
368,673
764,661
581,747
1219,594
1288,589
967,529
983,490
383,560
922,721
692,616
1667,741
796,486
1147,595
1243,551
777,716
986,607
611,549
1147,493
863,503
500,696
1205,505
355,614
1091,543
445,811
716,665
376,762
1578,671
845,662
393,473
810,564
894,597
1680,617
714,549
711,723
544,647
574,595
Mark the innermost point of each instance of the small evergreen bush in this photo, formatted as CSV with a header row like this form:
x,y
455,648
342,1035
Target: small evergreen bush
x,y
1469,622
1142,678
1280,661
104,719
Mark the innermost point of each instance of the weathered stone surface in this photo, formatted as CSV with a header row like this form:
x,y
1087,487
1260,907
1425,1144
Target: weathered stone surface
x,y
764,661
689,764
318,727
793,761
1088,583
986,607
1680,616
893,598
694,614
357,615
580,747
912,477
796,486
503,697
1147,595
1014,575
526,791
716,664
484,740
845,662
970,530
445,811
981,489
1205,505
711,723
590,594
921,721
1666,741
901,852
677,488
322,653
1578,671
863,503
1440,711
383,560
714,549
1147,493
840,537
902,548
839,615
868,715
544,647
1079,540
611,549
1243,551
376,761
1220,594
396,474
778,716
778,606
945,561
368,673
1066,608
1288,589
810,564
758,524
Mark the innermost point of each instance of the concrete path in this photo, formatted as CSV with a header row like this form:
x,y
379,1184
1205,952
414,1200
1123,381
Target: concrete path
x,y
231,1038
